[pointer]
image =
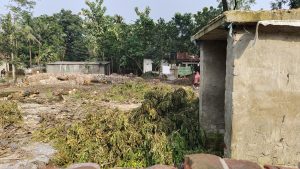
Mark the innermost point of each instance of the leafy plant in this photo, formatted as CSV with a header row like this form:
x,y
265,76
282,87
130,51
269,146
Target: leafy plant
x,y
9,114
161,131
131,91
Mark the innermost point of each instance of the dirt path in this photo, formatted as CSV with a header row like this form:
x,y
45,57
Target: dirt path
x,y
19,149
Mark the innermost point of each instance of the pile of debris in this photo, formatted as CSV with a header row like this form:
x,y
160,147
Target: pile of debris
x,y
74,79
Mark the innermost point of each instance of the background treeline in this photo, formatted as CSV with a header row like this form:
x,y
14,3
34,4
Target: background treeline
x,y
93,35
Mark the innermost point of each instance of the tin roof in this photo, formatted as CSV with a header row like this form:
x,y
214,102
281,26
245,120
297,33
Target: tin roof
x,y
217,28
184,56
78,63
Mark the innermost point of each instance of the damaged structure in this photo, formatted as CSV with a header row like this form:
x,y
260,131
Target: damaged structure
x,y
79,67
250,84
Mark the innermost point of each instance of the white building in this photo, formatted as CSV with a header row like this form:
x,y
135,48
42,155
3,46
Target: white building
x,y
147,65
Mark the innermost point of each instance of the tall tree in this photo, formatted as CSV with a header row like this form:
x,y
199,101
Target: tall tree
x,y
236,4
225,5
17,10
206,15
279,4
140,41
75,48
294,4
96,23
184,26
29,34
51,39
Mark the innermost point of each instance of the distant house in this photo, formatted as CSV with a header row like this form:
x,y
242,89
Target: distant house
x,y
250,84
79,67
185,59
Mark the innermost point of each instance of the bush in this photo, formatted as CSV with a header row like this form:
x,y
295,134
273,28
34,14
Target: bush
x,y
161,131
9,114
2,80
130,91
150,75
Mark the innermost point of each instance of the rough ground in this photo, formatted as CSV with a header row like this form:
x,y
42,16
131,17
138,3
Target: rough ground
x,y
55,96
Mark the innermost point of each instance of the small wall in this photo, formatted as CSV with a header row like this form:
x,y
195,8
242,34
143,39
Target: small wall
x,y
263,97
73,68
212,86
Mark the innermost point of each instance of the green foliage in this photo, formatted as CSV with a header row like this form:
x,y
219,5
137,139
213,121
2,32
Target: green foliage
x,y
2,80
279,4
93,35
9,114
203,17
131,91
74,42
162,131
149,75
238,4
294,4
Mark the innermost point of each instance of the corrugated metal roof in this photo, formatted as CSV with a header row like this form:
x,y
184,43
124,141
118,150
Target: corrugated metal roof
x,y
78,63
184,56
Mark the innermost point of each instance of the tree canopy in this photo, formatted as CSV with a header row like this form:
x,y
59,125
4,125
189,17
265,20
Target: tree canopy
x,y
279,4
92,35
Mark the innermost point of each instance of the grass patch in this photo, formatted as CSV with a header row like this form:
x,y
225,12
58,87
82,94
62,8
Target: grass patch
x,y
9,114
161,131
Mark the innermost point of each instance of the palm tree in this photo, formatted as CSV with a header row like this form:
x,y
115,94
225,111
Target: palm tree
x,y
28,32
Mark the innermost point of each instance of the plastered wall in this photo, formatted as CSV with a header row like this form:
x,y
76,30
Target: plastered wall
x,y
262,99
212,88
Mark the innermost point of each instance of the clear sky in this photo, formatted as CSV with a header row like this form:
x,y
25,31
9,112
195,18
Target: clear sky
x,y
159,8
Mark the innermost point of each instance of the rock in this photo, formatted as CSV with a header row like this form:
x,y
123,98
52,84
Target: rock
x,y
202,161
49,167
63,78
206,161
276,167
241,164
84,166
28,93
95,81
161,167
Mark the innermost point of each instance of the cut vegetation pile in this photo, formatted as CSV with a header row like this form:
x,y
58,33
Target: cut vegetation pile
x,y
161,131
9,114
131,91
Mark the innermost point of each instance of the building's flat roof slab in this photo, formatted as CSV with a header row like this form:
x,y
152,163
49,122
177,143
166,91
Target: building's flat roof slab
x,y
219,24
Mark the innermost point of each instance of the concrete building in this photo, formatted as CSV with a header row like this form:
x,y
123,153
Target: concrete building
x,y
250,84
79,67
